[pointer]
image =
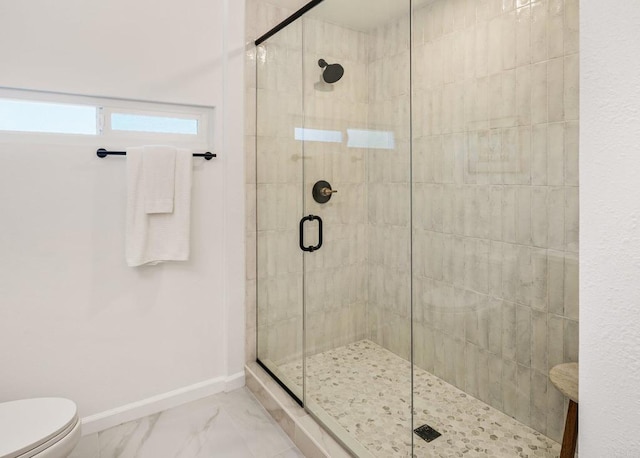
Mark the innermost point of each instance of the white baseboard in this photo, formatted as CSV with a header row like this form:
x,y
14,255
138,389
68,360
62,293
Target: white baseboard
x,y
234,382
139,409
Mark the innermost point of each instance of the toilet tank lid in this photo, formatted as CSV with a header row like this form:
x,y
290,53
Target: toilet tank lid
x,y
28,423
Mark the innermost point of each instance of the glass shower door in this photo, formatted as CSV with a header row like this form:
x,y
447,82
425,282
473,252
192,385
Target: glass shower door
x,y
495,210
357,231
279,273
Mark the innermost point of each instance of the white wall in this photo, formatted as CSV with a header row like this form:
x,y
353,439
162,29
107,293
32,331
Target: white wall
x,y
142,49
610,234
74,320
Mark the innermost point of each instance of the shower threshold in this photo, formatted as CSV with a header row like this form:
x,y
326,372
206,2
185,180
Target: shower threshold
x,y
365,389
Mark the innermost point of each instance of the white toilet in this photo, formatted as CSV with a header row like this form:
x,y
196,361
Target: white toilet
x,y
39,428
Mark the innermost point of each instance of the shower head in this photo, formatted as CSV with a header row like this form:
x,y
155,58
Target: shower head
x,y
332,72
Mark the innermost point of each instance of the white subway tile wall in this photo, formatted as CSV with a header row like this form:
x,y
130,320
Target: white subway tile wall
x,y
495,200
336,291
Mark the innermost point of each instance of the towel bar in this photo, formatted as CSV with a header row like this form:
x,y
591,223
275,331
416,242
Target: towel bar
x,y
104,153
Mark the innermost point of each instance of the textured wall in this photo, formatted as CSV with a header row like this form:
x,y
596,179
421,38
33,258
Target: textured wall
x,y
335,291
495,199
279,204
335,281
610,238
389,189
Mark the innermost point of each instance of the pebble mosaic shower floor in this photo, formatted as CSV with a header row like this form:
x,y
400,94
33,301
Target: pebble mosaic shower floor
x,y
366,389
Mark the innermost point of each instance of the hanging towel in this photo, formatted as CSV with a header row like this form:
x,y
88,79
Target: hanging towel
x,y
152,238
158,176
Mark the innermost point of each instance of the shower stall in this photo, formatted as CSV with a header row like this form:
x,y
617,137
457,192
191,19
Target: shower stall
x,y
417,221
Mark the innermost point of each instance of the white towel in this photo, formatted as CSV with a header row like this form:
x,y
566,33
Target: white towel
x,y
158,176
157,237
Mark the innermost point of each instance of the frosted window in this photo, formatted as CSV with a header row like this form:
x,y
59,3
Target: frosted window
x,y
156,124
25,116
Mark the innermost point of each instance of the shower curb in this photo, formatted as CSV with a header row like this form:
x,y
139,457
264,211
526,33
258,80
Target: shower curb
x,y
311,438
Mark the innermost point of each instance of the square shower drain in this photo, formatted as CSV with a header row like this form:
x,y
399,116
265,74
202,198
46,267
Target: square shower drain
x,y
427,433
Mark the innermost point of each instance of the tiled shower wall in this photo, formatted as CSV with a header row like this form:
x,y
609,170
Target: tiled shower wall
x,y
288,84
494,196
495,199
389,189
260,16
279,178
336,275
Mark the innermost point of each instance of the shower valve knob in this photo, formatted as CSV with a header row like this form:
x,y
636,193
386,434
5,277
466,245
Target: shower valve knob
x,y
327,191
322,192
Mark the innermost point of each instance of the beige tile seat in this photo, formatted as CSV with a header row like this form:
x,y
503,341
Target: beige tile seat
x,y
565,379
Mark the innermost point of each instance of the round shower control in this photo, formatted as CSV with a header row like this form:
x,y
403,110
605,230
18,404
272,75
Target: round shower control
x,y
322,192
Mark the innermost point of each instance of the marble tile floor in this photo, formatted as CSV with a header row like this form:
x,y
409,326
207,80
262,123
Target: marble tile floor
x,y
366,389
226,425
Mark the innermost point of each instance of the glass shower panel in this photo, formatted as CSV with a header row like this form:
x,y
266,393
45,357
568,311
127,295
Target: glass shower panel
x,y
357,284
279,206
494,221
